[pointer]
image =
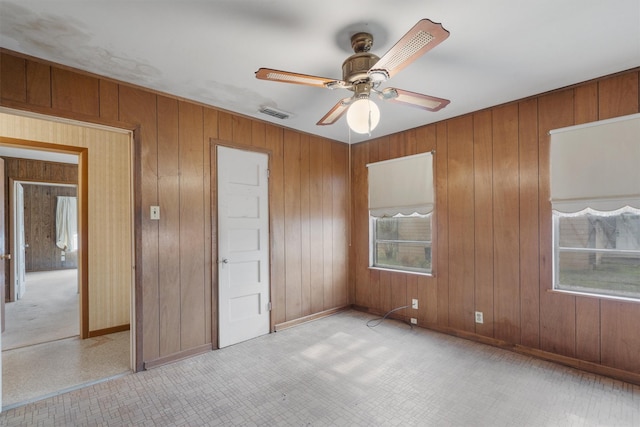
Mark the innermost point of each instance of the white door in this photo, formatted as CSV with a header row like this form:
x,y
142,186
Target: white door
x,y
243,245
20,245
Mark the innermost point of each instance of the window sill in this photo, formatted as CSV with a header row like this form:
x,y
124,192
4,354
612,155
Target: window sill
x,y
593,295
393,270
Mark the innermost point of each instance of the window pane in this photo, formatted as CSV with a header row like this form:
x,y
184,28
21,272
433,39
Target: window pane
x,y
608,274
404,228
599,253
410,255
403,242
600,232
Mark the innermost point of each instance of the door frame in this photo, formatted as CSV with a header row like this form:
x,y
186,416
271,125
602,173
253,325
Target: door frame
x,y
83,215
213,146
135,318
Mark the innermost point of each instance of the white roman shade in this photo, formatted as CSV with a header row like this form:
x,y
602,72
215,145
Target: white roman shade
x,y
596,165
401,186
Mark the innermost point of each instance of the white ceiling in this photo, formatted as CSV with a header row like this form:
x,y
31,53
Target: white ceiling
x,y
208,51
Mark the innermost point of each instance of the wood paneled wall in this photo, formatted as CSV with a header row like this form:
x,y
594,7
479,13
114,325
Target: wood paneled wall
x,y
42,254
493,231
309,201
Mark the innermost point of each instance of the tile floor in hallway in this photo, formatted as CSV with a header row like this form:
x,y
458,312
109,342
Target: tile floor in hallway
x,y
338,372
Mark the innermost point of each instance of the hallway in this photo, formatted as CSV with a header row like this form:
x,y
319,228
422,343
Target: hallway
x,y
41,350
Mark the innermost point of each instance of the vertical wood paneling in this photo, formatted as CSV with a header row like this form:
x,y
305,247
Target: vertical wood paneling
x,y
384,152
193,277
327,226
75,92
620,343
40,204
359,226
210,118
305,226
258,136
108,100
225,126
373,155
557,311
208,130
274,141
442,225
38,84
340,215
169,226
427,288
13,84
505,224
460,188
241,130
293,242
529,233
483,207
618,96
137,106
316,252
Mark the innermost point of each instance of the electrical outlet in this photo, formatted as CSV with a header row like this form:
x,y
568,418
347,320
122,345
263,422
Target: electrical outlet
x,y
414,304
414,321
479,317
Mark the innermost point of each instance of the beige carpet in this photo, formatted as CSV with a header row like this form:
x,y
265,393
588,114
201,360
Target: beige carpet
x,y
48,311
42,354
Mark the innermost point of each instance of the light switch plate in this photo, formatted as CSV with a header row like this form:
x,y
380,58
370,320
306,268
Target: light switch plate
x,y
155,212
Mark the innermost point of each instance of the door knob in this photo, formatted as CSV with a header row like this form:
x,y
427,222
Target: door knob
x,y
5,256
224,261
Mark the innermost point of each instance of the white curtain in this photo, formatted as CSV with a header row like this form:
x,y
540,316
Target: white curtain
x,y
67,223
596,165
401,186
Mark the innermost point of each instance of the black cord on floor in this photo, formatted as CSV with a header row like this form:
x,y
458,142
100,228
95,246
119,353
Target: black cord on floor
x,y
379,320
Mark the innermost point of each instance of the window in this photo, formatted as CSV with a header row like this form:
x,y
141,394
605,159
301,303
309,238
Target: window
x,y
402,242
598,253
595,197
401,200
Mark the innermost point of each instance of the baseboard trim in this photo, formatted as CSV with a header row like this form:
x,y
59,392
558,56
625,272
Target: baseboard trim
x,y
291,323
177,356
107,331
571,362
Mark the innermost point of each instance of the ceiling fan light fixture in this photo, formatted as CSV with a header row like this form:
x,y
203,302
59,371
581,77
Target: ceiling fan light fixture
x,y
363,116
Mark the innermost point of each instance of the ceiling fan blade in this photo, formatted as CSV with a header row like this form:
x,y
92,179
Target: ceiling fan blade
x,y
301,79
424,36
336,112
426,102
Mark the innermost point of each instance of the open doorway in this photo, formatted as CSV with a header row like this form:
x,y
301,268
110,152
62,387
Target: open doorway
x,y
104,347
42,303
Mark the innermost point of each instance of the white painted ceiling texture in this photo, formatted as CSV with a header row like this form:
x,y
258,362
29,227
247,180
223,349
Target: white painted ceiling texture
x,y
208,51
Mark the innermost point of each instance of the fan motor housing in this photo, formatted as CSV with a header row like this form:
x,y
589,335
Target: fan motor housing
x,y
355,67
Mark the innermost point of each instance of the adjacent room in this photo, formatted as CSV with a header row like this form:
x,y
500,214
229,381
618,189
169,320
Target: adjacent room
x,y
360,213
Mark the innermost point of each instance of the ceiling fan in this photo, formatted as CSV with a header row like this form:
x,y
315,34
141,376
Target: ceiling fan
x,y
363,73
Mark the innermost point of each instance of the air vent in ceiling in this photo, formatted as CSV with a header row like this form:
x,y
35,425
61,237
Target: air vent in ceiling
x,y
278,114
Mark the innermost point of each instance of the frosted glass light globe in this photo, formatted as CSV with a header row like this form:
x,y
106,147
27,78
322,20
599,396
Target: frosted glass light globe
x,y
363,116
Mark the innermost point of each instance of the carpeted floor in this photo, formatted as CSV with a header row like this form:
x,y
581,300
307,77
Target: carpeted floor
x,y
42,354
338,372
48,311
